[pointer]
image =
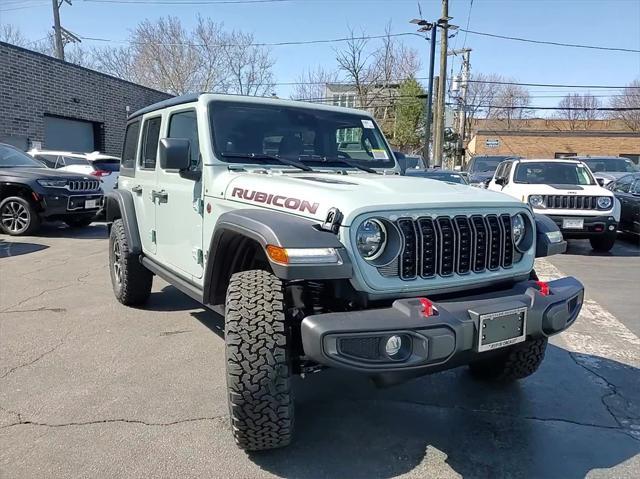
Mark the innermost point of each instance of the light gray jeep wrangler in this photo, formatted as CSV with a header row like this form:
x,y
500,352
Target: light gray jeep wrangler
x,y
292,219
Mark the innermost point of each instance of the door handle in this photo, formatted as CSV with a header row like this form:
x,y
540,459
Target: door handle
x,y
137,189
161,195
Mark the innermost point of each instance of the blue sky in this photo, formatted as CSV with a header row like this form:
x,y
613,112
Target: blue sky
x,y
613,23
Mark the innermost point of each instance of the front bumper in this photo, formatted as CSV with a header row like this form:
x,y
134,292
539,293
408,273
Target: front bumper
x,y
593,226
445,340
59,205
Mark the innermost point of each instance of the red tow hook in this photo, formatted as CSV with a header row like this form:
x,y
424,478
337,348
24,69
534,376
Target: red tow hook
x,y
543,287
427,307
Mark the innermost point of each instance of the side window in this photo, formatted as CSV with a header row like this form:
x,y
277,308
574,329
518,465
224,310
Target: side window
x,y
635,188
623,185
185,125
507,170
128,161
150,138
499,171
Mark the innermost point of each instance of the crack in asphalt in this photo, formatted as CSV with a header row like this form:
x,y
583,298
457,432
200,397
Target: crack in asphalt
x,y
38,358
35,310
78,279
109,421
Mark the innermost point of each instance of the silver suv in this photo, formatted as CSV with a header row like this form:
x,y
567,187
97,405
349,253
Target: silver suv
x,y
293,219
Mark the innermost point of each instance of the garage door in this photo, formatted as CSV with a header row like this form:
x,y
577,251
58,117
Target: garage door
x,y
68,135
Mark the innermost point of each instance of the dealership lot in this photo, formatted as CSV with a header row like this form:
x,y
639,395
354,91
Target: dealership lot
x,y
89,388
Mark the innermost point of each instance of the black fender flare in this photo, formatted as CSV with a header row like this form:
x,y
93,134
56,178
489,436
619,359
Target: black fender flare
x,y
267,227
544,245
119,204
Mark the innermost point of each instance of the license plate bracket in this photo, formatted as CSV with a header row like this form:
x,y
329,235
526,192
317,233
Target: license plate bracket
x,y
501,328
573,223
90,204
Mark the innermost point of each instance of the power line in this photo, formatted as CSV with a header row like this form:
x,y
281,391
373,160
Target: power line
x,y
467,27
545,42
185,2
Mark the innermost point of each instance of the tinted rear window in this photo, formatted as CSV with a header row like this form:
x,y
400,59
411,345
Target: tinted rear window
x,y
107,165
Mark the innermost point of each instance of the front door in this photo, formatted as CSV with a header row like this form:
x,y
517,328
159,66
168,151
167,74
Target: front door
x,y
144,183
179,208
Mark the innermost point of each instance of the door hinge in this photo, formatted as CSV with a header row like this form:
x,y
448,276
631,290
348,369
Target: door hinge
x,y
197,255
152,233
198,205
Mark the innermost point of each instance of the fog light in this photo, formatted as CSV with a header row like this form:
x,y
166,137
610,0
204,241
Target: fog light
x,y
393,346
611,227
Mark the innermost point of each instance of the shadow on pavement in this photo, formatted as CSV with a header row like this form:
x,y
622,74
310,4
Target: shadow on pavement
x,y
622,248
170,299
8,249
560,422
60,230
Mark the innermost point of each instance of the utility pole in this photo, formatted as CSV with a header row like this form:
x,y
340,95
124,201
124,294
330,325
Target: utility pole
x,y
462,101
438,135
57,29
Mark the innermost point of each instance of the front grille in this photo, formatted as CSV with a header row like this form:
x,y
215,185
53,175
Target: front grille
x,y
571,202
453,245
361,347
83,185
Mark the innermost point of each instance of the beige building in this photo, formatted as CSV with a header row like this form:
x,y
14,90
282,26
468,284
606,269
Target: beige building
x,y
541,138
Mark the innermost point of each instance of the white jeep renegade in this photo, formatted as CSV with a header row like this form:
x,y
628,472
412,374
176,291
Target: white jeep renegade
x,y
566,191
292,220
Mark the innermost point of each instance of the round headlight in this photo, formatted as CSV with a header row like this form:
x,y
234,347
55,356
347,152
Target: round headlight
x,y
371,238
518,228
536,201
604,202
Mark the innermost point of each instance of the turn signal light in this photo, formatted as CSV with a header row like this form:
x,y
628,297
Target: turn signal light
x,y
543,287
278,254
427,307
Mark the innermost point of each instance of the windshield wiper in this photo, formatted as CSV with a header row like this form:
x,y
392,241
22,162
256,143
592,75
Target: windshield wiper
x,y
265,157
344,161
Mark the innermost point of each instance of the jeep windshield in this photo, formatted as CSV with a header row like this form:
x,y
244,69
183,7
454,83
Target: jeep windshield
x,y
553,173
11,157
611,165
314,137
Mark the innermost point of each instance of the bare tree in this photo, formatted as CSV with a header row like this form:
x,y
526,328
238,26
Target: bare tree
x,y
119,62
510,103
311,84
481,94
354,61
12,34
630,98
208,39
394,61
250,67
578,110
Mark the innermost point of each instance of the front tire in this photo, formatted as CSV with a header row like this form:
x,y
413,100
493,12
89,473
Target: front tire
x,y
520,361
130,280
18,217
258,363
603,243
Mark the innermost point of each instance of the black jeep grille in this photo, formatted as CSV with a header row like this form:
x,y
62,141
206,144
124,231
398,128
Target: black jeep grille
x,y
83,185
571,202
454,245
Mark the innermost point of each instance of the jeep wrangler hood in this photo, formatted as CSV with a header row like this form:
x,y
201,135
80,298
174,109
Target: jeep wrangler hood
x,y
313,194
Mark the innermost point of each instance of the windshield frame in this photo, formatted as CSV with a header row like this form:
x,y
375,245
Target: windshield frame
x,y
576,165
34,163
323,161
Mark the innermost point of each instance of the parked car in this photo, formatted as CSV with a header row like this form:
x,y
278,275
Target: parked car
x,y
407,162
566,191
438,174
608,168
480,169
318,259
30,193
104,167
627,190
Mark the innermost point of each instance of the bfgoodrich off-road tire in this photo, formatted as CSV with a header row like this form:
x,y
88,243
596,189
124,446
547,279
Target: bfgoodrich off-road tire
x,y
603,243
520,361
130,280
18,217
258,364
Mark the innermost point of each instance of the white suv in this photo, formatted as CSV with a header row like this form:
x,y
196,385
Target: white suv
x,y
103,167
566,191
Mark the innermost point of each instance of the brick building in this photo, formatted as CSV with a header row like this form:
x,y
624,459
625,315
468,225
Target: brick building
x,y
48,103
545,138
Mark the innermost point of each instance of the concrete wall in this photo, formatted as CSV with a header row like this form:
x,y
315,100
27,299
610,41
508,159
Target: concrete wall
x,y
34,85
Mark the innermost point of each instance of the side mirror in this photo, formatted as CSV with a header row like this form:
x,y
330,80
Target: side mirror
x,y
175,154
600,181
501,180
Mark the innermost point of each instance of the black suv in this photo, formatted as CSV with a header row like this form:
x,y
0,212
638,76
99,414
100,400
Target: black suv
x,y
30,192
480,169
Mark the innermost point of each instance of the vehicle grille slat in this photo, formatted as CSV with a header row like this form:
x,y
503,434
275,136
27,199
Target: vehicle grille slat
x,y
570,202
445,246
83,185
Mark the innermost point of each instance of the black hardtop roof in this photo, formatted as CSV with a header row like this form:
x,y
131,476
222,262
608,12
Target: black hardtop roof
x,y
178,100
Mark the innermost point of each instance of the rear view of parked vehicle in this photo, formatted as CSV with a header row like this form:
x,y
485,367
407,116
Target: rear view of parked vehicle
x,y
608,168
627,191
103,167
31,193
566,191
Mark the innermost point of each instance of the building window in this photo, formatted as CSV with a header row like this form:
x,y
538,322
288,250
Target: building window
x,y
563,155
635,157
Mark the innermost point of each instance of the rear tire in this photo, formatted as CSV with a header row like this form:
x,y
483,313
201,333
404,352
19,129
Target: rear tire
x,y
130,280
603,243
520,361
18,217
258,363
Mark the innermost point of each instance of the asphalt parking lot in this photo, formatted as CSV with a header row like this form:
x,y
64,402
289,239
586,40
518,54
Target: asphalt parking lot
x,y
89,388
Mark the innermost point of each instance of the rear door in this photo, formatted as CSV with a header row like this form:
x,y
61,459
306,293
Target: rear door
x,y
179,212
145,182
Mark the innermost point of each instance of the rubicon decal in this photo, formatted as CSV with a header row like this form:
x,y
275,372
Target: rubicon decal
x,y
276,200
